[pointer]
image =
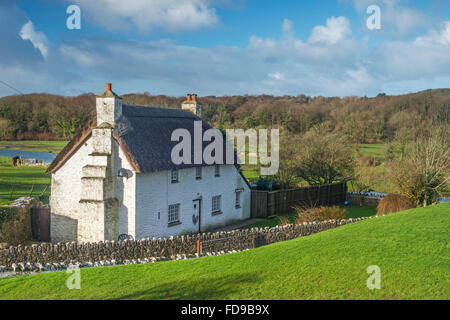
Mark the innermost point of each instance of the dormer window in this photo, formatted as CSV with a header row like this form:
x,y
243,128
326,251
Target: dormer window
x,y
174,176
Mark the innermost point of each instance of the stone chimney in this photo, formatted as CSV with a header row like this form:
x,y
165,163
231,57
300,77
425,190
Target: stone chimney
x,y
191,104
109,107
97,203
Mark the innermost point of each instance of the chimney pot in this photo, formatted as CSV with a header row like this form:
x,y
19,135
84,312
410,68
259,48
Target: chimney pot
x,y
108,86
188,97
194,97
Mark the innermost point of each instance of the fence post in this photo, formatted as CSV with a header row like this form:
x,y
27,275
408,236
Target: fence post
x,y
198,247
11,194
31,191
43,192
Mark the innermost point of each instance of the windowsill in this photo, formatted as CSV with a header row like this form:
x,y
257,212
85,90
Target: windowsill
x,y
216,213
217,175
172,224
198,178
175,181
238,207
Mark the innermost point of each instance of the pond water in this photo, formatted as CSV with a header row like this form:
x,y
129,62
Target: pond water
x,y
445,199
44,156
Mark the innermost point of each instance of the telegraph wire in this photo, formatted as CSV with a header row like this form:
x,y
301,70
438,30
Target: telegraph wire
x,y
11,87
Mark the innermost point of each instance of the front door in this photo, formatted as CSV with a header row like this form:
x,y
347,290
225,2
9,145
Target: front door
x,y
196,213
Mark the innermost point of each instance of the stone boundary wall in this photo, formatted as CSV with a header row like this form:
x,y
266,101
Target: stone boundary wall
x,y
112,252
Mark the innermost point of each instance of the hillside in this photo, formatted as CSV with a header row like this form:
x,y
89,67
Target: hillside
x,y
46,117
411,249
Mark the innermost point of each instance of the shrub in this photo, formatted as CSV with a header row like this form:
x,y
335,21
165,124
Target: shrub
x,y
283,221
319,214
6,213
393,203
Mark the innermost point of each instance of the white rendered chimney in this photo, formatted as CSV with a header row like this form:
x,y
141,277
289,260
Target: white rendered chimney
x,y
191,104
109,107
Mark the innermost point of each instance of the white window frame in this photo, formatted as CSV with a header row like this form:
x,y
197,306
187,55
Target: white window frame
x,y
217,170
174,176
173,213
198,173
216,204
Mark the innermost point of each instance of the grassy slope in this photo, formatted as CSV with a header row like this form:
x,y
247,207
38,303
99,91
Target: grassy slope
x,y
411,248
352,212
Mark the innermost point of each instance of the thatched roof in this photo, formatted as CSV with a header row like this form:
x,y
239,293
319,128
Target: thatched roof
x,y
144,135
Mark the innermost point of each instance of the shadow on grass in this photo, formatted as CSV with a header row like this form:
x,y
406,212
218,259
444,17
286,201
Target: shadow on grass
x,y
203,288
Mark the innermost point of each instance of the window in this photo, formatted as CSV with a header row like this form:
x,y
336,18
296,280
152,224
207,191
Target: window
x,y
198,173
174,213
217,170
238,199
216,203
174,176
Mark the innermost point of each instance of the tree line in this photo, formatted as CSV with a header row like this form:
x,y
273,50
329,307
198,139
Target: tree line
x,y
361,119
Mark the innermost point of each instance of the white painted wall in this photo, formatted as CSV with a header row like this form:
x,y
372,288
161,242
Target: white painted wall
x,y
155,192
65,195
142,196
125,193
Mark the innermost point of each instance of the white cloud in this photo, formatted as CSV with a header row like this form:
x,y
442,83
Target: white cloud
x,y
276,76
436,37
37,38
329,62
397,20
288,27
169,15
335,30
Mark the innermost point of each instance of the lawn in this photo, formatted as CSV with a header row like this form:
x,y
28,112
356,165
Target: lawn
x,y
353,211
32,145
410,248
375,150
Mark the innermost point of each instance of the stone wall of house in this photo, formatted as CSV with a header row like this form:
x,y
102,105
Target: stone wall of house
x,y
110,252
15,227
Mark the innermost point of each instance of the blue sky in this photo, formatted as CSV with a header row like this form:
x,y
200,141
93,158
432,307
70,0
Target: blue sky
x,y
224,47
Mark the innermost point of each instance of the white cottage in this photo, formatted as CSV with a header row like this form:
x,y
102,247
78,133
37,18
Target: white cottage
x,y
117,178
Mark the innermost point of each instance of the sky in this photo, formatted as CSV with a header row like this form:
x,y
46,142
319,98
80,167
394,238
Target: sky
x,y
225,47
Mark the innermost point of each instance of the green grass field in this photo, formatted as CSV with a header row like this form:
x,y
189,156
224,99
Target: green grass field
x,y
31,145
410,248
20,180
352,212
375,150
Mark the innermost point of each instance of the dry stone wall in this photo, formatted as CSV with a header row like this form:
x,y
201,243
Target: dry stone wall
x,y
111,252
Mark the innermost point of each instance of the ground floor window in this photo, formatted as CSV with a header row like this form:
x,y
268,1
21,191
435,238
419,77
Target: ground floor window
x,y
174,213
216,203
238,199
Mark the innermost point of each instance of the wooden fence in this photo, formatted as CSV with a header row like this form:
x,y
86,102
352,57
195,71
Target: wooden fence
x,y
10,192
265,203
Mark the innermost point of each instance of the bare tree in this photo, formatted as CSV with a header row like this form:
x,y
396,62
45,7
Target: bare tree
x,y
422,174
325,157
